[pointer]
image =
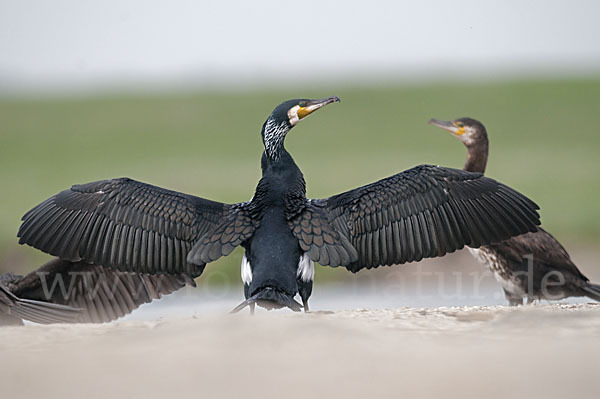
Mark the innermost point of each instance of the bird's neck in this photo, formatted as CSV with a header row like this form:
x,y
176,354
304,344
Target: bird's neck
x,y
275,159
274,150
281,186
281,168
477,155
273,135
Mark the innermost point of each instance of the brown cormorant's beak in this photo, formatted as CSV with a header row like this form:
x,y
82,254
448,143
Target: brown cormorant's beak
x,y
447,125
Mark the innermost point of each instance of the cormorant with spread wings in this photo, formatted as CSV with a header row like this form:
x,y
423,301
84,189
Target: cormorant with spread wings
x,y
423,212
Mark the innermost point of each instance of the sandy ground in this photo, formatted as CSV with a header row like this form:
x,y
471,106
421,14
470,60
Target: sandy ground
x,y
492,352
187,346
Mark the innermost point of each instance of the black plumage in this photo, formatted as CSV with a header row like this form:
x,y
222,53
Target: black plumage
x,y
84,293
423,212
533,265
123,224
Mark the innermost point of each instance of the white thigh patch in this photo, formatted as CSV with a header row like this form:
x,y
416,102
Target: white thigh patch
x,y
306,269
246,271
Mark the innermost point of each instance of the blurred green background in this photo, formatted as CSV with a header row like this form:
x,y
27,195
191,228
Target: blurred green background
x,y
544,142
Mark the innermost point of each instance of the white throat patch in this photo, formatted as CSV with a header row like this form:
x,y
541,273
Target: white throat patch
x,y
293,115
306,269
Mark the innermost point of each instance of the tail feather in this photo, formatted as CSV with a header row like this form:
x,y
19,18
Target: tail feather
x,y
40,312
592,291
270,298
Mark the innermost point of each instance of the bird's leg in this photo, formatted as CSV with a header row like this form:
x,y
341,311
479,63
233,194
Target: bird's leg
x,y
305,305
513,300
252,306
531,301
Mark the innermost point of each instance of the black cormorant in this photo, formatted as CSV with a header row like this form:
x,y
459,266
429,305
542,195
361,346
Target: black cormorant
x,y
530,266
88,293
426,211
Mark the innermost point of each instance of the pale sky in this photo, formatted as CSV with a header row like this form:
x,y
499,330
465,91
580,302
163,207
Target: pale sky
x,y
62,44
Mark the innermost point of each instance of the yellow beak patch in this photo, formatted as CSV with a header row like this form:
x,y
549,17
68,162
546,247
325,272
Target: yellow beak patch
x,y
304,112
460,131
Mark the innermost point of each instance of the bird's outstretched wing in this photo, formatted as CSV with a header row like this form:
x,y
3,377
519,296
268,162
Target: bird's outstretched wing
x,y
126,225
102,294
425,212
14,308
319,238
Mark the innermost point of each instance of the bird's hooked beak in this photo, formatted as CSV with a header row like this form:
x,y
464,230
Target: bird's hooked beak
x,y
452,127
299,112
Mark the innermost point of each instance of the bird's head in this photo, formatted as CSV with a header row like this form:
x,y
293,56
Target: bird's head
x,y
284,117
7,279
470,131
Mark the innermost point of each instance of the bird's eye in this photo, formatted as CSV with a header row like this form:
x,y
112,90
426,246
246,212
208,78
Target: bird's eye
x,y
460,124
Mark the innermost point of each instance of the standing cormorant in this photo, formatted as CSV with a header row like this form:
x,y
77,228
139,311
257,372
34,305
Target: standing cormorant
x,y
77,292
530,266
426,211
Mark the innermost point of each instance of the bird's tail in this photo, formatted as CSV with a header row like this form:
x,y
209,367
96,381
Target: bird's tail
x,y
592,291
270,298
38,311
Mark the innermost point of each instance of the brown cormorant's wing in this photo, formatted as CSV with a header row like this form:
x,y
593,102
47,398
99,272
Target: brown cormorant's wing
x,y
102,294
14,309
544,248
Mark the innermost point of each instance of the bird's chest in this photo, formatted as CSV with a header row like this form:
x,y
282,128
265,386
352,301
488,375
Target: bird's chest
x,y
498,265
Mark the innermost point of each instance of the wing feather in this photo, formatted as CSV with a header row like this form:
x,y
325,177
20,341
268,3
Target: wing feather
x,y
426,212
100,293
124,224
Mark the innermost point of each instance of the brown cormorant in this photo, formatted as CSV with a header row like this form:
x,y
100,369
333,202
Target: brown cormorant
x,y
423,212
15,309
530,266
78,292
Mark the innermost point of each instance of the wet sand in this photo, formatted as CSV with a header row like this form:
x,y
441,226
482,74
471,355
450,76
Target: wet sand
x,y
492,352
